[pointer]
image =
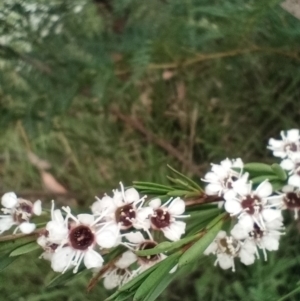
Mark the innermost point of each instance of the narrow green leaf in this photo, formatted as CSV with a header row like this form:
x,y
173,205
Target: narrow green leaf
x,y
277,185
178,193
151,185
29,247
258,168
197,249
6,246
260,179
190,181
5,261
282,175
157,276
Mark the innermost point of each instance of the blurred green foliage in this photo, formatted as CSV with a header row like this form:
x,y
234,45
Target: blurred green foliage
x,y
213,79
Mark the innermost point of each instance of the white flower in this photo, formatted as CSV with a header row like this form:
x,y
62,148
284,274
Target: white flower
x,y
75,238
222,178
292,164
18,212
254,203
119,274
254,237
290,143
226,248
124,209
164,217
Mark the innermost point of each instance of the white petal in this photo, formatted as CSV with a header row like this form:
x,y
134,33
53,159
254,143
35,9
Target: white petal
x,y
233,207
287,188
108,237
155,203
225,261
57,231
61,259
212,248
294,180
264,189
6,222
57,216
135,237
271,214
118,198
275,143
27,227
174,231
112,280
213,188
220,171
9,200
106,203
86,219
176,207
131,195
293,135
238,163
270,242
229,195
287,164
246,258
246,222
127,259
226,164
211,177
240,186
239,232
92,259
144,213
37,207
279,154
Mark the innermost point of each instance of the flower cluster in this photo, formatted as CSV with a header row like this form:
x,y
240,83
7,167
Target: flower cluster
x,y
122,219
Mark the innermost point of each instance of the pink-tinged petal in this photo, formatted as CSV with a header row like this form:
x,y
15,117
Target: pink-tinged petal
x,y
135,237
211,177
131,195
37,208
233,207
9,200
212,189
176,207
270,242
127,259
86,219
271,214
6,222
294,180
61,259
92,259
155,203
225,261
264,189
287,164
174,231
27,228
293,135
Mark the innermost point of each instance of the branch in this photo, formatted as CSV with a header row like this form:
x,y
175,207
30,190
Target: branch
x,y
139,127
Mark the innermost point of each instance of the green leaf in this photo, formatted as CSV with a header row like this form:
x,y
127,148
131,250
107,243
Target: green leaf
x,y
187,179
282,175
155,278
260,179
277,185
27,248
9,245
197,249
258,168
150,185
5,261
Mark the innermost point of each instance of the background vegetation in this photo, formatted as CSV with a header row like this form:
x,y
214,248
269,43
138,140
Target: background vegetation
x,y
106,91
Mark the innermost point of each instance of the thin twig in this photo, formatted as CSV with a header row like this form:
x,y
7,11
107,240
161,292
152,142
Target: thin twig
x,y
138,126
20,235
204,199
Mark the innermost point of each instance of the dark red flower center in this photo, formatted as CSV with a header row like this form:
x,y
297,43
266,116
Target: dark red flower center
x,y
252,204
229,246
291,147
81,237
229,181
160,219
146,245
292,200
125,215
257,232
